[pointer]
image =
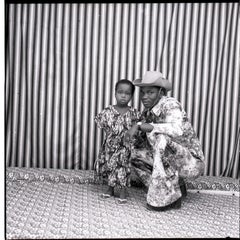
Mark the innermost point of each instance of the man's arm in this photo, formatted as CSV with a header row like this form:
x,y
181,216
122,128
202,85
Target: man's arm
x,y
172,125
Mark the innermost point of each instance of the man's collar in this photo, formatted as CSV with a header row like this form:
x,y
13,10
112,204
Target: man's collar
x,y
156,108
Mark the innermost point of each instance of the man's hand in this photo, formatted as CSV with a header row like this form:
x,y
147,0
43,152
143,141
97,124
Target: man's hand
x,y
145,127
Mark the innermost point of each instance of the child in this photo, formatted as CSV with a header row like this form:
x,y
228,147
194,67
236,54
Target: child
x,y
113,161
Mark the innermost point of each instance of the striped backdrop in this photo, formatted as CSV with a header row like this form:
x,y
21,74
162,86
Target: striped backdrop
x,y
63,60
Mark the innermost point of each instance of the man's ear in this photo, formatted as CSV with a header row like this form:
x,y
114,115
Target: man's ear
x,y
160,93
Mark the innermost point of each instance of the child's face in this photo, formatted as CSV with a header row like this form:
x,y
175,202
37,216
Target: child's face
x,y
123,94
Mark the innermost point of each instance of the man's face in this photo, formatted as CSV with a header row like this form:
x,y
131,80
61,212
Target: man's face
x,y
149,96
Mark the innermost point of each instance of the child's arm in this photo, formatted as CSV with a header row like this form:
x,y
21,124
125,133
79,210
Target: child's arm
x,y
101,119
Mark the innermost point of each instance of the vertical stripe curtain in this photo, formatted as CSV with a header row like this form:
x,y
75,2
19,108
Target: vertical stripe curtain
x,y
63,60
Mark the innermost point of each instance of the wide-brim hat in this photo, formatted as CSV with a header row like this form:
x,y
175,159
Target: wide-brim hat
x,y
153,79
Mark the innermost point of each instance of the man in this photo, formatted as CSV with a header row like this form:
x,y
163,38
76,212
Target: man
x,y
166,149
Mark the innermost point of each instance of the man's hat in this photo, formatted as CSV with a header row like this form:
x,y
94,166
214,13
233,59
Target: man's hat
x,y
153,79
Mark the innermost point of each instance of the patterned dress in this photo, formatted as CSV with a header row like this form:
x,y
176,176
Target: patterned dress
x,y
171,150
113,162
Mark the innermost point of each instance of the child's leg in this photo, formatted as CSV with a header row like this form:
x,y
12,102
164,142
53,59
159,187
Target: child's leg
x,y
123,195
122,172
110,191
123,181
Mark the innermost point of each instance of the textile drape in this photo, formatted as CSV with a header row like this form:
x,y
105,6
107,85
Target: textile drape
x,y
63,60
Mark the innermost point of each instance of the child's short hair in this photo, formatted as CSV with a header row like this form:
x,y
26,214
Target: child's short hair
x,y
125,81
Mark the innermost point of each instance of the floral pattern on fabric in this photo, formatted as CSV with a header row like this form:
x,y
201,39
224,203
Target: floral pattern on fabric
x,y
176,152
70,176
53,210
113,160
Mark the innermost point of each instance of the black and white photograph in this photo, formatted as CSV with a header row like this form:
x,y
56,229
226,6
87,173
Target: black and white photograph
x,y
121,120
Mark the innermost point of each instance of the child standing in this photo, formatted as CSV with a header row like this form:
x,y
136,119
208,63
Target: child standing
x,y
113,160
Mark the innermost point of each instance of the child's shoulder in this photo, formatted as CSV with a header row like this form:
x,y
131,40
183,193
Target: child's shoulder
x,y
107,109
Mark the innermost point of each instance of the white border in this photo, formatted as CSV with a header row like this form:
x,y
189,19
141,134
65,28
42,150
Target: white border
x,y
2,143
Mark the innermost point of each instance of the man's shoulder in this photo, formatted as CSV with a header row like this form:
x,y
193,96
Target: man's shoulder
x,y
167,103
170,100
166,98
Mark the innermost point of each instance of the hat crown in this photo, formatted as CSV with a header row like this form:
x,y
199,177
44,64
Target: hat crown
x,y
153,78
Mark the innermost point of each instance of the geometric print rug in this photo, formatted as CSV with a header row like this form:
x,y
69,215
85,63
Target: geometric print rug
x,y
40,209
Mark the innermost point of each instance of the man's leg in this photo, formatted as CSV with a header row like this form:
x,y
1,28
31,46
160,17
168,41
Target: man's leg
x,y
187,165
163,188
142,162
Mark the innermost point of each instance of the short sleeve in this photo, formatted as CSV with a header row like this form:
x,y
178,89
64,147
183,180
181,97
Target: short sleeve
x,y
102,118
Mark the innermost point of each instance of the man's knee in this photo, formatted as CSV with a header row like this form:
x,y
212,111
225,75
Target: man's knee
x,y
201,167
193,170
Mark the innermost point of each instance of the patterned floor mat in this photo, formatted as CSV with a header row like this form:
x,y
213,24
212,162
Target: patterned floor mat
x,y
40,210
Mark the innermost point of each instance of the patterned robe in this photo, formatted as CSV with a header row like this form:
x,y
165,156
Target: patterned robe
x,y
171,150
113,162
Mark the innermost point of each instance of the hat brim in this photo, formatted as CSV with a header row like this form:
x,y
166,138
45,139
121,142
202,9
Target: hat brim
x,y
158,83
